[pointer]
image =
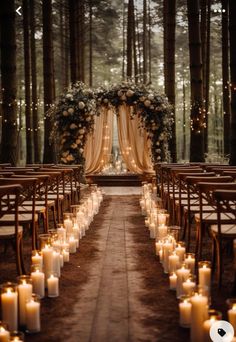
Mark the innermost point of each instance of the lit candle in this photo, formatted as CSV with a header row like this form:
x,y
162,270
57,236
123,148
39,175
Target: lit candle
x,y
146,222
37,259
25,290
190,262
53,286
56,263
33,316
10,307
72,244
232,316
173,281
213,317
182,275
161,255
47,253
68,224
204,274
180,251
173,262
167,250
38,282
152,229
66,255
161,232
198,316
185,307
4,334
158,244
188,286
161,219
61,232
61,260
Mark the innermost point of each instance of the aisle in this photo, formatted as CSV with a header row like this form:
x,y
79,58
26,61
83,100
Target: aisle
x,y
113,289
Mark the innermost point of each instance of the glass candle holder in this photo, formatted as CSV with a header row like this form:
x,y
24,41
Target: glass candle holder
x,y
9,305
174,231
4,332
173,281
17,336
189,285
53,285
199,301
213,316
38,281
182,275
180,250
189,260
162,218
33,324
185,308
44,240
37,259
204,274
25,290
173,262
231,302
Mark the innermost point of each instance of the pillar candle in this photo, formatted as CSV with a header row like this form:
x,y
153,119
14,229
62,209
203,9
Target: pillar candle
x,y
204,273
37,260
25,293
188,286
33,316
9,300
158,246
4,335
161,232
173,281
173,262
185,313
61,233
182,275
161,218
198,316
161,255
72,244
190,262
232,317
38,282
68,224
61,260
56,263
167,250
53,286
66,255
47,253
180,251
152,229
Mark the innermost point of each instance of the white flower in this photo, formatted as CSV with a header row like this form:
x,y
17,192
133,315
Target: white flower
x,y
129,93
120,93
71,110
81,131
147,103
69,96
81,105
151,97
105,101
88,118
81,150
74,146
73,126
70,157
142,98
65,154
123,97
78,141
65,113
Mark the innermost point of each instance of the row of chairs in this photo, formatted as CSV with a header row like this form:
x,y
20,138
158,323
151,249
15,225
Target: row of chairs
x,y
204,194
27,195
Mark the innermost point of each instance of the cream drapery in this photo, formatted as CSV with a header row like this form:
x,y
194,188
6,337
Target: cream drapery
x,y
135,147
99,143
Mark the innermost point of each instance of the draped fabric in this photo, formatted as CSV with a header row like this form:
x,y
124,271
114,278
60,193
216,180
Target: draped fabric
x,y
134,145
99,143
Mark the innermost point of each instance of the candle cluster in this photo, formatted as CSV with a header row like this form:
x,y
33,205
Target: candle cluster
x,y
20,303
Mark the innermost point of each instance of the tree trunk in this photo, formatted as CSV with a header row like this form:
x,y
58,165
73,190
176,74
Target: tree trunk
x,y
197,119
129,40
80,38
73,41
144,41
225,74
123,34
28,119
48,78
207,73
232,35
8,73
170,10
134,46
149,42
90,43
67,48
34,83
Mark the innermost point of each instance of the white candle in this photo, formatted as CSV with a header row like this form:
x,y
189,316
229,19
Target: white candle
x,y
146,222
185,313
232,317
33,316
161,255
180,251
198,316
152,229
167,250
10,309
72,244
4,335
68,224
173,281
188,286
56,263
47,253
61,260
206,329
66,255
61,233
38,282
161,232
25,293
173,262
182,275
158,246
53,286
37,260
190,262
161,219
204,273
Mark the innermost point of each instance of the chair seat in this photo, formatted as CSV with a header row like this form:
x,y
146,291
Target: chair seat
x,y
226,229
53,196
22,217
28,208
212,217
9,231
40,203
195,209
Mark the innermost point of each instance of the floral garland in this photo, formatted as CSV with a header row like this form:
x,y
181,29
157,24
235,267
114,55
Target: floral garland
x,y
74,117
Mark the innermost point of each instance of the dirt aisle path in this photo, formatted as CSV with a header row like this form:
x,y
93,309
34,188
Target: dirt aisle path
x,y
114,288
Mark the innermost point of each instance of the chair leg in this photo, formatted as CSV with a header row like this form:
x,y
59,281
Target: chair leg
x,y
219,263
21,257
213,256
18,256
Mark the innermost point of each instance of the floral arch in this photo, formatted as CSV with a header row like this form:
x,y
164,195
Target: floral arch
x,y
74,114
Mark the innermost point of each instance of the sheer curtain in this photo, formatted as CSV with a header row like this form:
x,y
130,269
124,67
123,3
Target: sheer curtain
x,y
135,147
99,143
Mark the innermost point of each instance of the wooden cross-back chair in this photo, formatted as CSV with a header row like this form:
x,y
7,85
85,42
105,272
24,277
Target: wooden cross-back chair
x,y
225,203
9,203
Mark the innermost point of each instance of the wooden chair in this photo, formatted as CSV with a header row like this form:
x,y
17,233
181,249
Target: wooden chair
x,y
14,232
225,203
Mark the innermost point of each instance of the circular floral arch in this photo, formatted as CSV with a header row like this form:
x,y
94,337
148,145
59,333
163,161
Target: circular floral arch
x,y
75,111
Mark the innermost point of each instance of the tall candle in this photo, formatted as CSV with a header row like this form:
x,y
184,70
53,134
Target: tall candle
x,y
190,262
25,293
213,317
4,335
53,286
198,316
68,224
10,308
56,263
61,233
72,244
161,219
37,260
204,273
173,262
47,253
188,286
161,232
33,316
185,308
167,250
152,229
66,255
173,281
182,275
38,282
232,317
180,251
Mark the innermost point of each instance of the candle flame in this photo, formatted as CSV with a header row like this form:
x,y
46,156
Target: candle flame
x,y
234,306
2,329
9,290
